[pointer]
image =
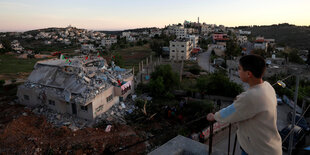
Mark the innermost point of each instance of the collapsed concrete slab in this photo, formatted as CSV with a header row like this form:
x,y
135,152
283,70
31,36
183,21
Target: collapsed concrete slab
x,y
82,87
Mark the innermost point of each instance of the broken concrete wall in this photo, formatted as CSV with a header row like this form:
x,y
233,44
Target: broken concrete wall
x,y
100,104
27,96
86,114
118,89
54,102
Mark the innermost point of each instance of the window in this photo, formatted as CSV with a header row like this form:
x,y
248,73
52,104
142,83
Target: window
x,y
26,97
182,45
109,98
173,45
99,108
173,50
84,108
182,51
51,102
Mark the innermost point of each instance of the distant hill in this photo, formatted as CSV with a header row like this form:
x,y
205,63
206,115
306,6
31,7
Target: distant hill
x,y
285,34
127,30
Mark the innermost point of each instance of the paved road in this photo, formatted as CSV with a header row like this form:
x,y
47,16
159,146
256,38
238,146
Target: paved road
x,y
204,61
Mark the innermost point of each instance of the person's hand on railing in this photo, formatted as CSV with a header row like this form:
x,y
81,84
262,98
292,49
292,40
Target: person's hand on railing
x,y
210,117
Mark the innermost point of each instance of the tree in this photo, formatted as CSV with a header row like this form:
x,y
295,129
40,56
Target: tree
x,y
308,58
157,87
218,84
156,46
260,52
293,57
7,45
203,43
195,69
118,60
233,49
163,74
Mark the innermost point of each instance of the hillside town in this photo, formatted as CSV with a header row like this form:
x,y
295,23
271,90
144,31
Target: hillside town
x,y
139,91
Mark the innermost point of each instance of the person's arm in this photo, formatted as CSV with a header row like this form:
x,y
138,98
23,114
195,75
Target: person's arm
x,y
242,109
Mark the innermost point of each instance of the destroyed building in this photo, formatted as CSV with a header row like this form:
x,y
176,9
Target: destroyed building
x,y
84,87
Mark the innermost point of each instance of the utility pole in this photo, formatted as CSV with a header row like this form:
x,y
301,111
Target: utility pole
x,y
294,115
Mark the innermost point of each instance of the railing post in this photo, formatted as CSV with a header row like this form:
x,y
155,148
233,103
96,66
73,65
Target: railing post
x,y
229,133
210,138
234,150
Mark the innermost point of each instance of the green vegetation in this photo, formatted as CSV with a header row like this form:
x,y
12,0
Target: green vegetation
x,y
218,84
163,81
159,42
195,69
285,34
304,87
11,64
131,56
233,49
204,43
7,46
293,57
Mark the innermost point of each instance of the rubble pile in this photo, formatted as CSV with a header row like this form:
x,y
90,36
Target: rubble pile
x,y
117,112
79,80
115,115
23,132
59,120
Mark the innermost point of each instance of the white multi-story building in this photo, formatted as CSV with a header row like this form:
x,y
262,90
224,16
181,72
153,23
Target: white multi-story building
x,y
87,48
106,42
180,49
194,40
126,34
242,39
181,32
131,39
244,32
155,32
260,44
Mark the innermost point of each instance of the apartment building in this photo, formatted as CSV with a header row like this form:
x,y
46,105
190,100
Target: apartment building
x,y
180,49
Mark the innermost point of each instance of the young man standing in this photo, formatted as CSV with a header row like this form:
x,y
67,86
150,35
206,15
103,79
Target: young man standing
x,y
254,110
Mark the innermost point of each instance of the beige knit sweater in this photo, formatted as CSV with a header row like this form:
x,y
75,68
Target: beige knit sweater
x,y
256,113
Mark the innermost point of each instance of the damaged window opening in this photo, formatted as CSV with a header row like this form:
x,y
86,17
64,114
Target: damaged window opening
x,y
51,102
110,98
84,108
26,97
99,108
126,89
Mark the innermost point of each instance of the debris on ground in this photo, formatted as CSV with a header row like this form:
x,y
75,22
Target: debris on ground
x,y
24,132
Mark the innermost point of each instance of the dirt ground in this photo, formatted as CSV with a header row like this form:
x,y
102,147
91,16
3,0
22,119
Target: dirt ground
x,y
22,132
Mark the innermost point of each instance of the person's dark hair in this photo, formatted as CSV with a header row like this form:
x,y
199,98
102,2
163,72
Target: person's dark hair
x,y
253,63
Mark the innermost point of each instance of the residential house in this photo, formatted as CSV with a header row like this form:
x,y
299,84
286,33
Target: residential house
x,y
242,39
244,32
260,43
85,88
180,49
180,32
194,39
220,37
87,48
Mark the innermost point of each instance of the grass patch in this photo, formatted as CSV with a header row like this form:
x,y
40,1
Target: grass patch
x,y
133,55
10,64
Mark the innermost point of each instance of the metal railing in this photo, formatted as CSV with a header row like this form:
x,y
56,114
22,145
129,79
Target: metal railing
x,y
229,135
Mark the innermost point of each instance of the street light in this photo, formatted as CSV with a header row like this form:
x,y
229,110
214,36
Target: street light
x,y
283,85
